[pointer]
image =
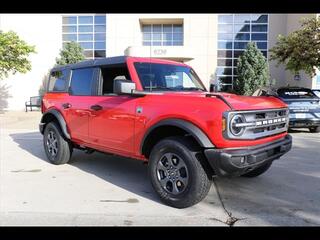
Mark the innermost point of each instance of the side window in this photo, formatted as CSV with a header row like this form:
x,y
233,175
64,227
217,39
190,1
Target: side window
x,y
58,81
109,74
82,81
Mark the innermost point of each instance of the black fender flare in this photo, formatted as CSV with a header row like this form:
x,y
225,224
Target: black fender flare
x,y
60,119
187,126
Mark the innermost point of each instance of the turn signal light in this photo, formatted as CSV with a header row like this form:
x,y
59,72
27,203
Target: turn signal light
x,y
223,124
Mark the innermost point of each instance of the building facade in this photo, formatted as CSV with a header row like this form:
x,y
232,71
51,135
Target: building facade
x,y
210,43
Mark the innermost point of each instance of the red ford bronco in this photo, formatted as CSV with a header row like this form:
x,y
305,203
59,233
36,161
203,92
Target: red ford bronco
x,y
159,111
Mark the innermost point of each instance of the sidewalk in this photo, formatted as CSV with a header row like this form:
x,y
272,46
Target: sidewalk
x,y
20,120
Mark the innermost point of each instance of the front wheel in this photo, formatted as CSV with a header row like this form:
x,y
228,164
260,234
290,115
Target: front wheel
x,y
58,149
315,129
178,172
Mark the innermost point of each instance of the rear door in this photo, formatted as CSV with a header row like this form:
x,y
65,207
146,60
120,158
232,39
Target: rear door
x,y
76,105
57,90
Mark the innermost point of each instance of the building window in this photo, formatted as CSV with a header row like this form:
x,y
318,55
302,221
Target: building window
x,y
162,34
234,33
89,31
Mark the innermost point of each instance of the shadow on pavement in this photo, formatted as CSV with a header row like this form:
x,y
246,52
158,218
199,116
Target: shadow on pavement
x,y
126,173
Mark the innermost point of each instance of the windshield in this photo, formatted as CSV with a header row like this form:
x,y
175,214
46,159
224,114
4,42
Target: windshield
x,y
296,93
166,77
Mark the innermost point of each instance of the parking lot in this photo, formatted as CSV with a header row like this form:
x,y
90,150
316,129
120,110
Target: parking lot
x,y
97,189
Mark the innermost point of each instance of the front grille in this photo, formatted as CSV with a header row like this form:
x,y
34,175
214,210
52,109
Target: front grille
x,y
258,123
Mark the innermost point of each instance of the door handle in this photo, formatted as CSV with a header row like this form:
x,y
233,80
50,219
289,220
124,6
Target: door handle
x,y
66,105
96,107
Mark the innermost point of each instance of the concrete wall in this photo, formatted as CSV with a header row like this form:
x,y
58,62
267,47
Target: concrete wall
x,y
277,25
293,23
43,31
200,38
285,24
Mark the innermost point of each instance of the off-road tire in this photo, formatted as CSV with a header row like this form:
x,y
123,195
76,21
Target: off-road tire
x,y
64,148
258,171
315,129
199,175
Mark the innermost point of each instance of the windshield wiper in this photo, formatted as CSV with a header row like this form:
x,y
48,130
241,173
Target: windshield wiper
x,y
181,88
192,89
176,88
161,88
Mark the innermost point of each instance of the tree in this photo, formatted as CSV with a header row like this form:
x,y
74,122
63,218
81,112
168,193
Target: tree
x,y
44,82
252,70
13,54
71,53
300,50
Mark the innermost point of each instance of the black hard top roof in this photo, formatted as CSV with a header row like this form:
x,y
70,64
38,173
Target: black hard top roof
x,y
94,62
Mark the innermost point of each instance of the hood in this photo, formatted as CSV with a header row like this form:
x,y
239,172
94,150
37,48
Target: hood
x,y
253,102
238,102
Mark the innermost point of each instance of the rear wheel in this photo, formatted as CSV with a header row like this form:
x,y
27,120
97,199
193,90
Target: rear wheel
x,y
58,149
315,129
258,171
178,172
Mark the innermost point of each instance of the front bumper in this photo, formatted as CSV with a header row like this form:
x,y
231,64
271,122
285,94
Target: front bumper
x,y
238,161
304,123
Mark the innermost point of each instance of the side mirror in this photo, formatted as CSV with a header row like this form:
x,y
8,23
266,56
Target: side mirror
x,y
121,86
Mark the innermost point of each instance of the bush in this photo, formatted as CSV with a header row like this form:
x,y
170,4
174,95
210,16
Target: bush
x,y
71,53
252,71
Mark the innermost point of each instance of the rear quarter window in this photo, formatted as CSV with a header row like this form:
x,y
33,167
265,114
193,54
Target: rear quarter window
x,y
58,81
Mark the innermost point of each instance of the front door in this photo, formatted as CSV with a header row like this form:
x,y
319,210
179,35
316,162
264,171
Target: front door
x,y
111,123
112,117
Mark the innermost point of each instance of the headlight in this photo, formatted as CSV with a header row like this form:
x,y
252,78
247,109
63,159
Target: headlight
x,y
236,127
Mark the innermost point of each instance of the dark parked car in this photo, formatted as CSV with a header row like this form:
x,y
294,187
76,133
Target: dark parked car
x,y
303,103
